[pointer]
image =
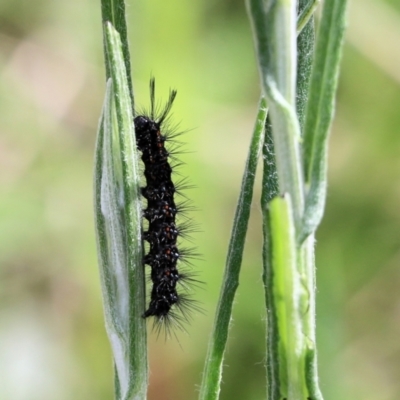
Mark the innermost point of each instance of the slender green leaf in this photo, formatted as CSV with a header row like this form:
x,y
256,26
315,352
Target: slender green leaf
x,y
269,191
320,110
274,31
212,374
304,304
305,52
112,245
307,312
305,48
118,221
286,295
114,11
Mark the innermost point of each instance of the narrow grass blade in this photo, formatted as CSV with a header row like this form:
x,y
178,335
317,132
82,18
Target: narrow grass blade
x,y
210,386
320,110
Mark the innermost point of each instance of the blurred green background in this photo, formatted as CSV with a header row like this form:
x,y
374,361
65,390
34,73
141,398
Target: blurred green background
x,y
52,338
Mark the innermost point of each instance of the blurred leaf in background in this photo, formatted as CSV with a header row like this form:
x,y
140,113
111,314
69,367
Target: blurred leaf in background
x,y
52,337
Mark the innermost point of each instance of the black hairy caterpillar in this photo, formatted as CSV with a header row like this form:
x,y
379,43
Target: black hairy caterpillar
x,y
152,132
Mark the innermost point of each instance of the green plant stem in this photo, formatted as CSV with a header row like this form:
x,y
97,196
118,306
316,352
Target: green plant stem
x,y
320,110
114,11
212,374
269,191
136,346
307,310
274,31
305,45
305,48
322,89
213,368
285,292
291,356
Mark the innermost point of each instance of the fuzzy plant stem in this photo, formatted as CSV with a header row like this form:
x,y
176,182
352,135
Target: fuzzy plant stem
x,y
213,367
270,191
291,349
275,35
318,119
113,11
118,215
